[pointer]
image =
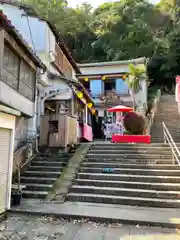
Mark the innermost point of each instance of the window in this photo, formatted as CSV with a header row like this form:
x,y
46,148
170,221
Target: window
x,y
18,74
11,65
121,86
96,88
53,126
27,81
109,85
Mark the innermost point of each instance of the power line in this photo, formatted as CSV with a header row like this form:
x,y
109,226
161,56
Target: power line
x,y
30,32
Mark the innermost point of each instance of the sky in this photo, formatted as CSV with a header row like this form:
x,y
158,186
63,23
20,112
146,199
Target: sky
x,y
95,3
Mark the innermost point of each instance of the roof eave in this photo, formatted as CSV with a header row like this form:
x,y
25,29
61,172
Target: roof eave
x,y
114,63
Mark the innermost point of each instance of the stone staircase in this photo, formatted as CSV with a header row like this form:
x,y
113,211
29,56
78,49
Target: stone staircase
x,y
128,174
39,177
167,113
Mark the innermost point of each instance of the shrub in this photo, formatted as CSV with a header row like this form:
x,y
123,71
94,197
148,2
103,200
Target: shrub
x,y
135,123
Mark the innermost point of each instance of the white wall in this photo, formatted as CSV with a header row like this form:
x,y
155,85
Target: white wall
x,y
21,130
141,96
13,99
74,75
104,70
50,40
62,85
8,121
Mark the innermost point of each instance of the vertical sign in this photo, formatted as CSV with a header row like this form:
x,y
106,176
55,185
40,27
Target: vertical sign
x,y
177,90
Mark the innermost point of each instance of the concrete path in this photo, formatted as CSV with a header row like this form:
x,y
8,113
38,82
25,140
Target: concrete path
x,y
23,227
100,212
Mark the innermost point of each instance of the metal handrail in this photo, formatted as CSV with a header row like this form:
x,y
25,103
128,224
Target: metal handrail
x,y
29,159
21,149
168,139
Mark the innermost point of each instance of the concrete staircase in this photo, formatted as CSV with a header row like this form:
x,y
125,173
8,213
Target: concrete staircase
x,y
43,172
167,113
136,175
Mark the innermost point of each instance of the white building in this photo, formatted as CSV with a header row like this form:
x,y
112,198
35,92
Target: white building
x,y
106,77
56,83
19,67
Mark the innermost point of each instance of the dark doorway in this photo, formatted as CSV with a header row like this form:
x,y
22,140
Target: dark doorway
x,y
97,127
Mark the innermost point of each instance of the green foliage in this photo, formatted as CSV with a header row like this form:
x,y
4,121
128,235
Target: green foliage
x,y
135,77
120,30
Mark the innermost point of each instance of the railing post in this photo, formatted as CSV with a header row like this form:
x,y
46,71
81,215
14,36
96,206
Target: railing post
x,y
165,140
37,150
173,159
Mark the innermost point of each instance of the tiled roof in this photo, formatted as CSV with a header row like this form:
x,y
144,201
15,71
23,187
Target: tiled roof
x,y
6,23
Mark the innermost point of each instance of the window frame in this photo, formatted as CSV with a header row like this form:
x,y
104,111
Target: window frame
x,y
31,73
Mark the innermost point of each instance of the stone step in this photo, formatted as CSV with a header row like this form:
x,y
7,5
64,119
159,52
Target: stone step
x,y
128,177
34,194
131,171
130,160
38,187
129,165
131,151
128,156
124,200
48,163
54,159
145,193
132,147
127,184
41,174
51,155
41,180
45,168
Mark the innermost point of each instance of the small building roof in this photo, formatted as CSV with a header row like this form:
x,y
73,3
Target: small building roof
x,y
114,63
7,25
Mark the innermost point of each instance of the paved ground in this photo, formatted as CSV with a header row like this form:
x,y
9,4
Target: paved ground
x,y
23,227
119,213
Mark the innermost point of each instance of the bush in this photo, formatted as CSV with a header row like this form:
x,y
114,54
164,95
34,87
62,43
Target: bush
x,y
135,123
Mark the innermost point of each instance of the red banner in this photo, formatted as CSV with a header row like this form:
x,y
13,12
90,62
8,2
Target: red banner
x,y
131,139
177,79
87,132
177,90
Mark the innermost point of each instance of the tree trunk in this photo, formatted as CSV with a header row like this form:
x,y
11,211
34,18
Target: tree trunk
x,y
133,99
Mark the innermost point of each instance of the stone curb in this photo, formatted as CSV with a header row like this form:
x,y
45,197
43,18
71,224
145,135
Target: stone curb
x,y
107,220
61,186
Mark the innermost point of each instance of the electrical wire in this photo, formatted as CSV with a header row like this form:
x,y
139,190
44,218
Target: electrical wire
x,y
30,32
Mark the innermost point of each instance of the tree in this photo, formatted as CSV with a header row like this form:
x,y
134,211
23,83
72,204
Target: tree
x,y
121,30
134,80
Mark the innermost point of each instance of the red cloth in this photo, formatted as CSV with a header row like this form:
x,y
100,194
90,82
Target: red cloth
x,y
131,138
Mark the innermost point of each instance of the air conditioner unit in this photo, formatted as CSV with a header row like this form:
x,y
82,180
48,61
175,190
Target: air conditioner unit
x,y
51,57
